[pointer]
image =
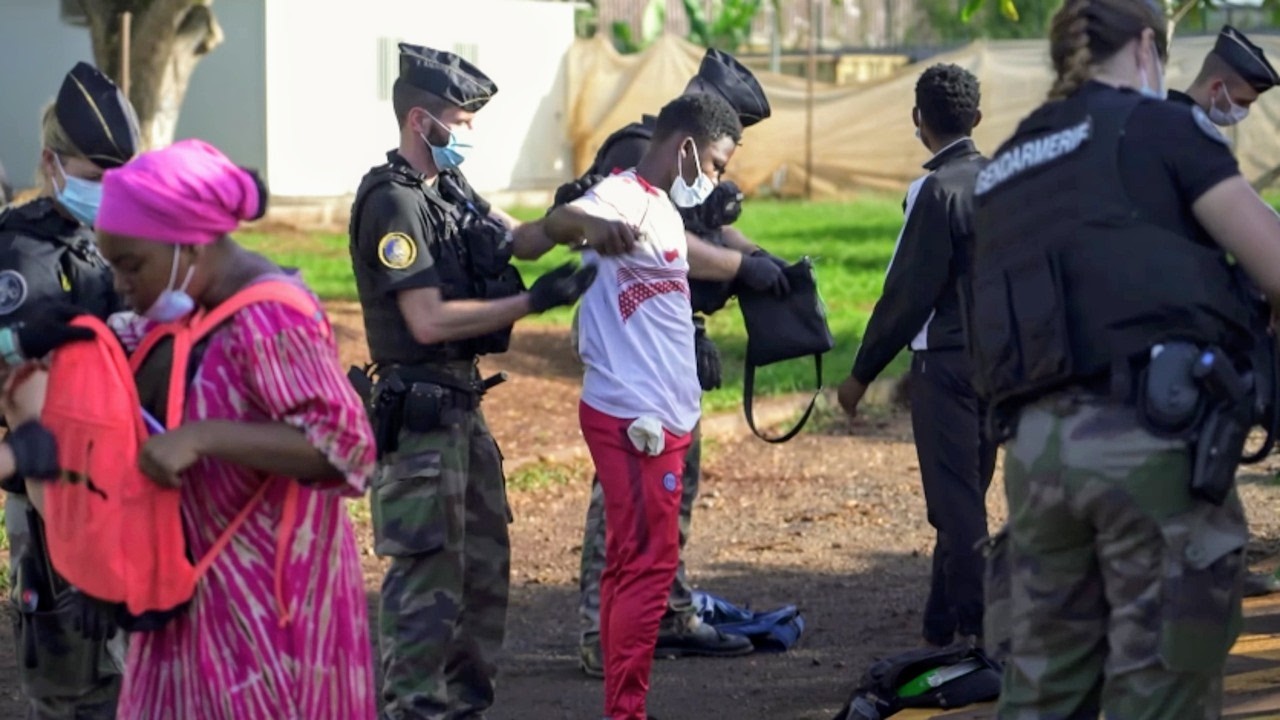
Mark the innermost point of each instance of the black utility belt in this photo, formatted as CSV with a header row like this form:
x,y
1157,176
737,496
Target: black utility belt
x,y
400,404
1191,392
422,399
431,373
439,397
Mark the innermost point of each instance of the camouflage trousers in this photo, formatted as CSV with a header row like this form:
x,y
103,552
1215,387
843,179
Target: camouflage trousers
x,y
440,513
680,602
64,676
1123,590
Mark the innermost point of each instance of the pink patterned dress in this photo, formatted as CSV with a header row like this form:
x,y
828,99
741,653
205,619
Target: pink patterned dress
x,y
228,657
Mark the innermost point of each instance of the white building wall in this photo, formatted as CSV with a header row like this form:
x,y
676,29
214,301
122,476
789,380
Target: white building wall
x,y
329,69
36,51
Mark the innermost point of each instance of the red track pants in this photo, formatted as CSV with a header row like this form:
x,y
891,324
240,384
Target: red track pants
x,y
642,549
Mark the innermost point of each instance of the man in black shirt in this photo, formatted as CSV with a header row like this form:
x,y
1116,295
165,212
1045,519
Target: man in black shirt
x,y
920,309
432,264
1234,75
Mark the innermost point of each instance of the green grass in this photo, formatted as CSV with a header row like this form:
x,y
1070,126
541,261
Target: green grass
x,y
547,474
4,564
849,242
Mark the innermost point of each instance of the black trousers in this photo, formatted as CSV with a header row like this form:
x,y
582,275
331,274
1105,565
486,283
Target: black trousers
x,y
956,465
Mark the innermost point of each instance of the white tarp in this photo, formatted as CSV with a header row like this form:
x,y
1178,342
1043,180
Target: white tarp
x,y
862,136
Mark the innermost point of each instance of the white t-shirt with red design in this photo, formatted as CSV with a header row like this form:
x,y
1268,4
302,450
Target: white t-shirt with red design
x,y
635,326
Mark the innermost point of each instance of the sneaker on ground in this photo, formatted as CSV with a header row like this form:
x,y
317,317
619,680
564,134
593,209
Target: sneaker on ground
x,y
1256,584
699,638
590,657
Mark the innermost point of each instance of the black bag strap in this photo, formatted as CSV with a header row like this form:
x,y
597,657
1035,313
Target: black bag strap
x,y
748,390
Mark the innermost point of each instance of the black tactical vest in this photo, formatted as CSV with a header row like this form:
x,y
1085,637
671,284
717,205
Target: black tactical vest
x,y
47,258
1070,279
472,256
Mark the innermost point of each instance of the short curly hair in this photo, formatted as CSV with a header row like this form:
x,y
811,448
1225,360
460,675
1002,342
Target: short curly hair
x,y
706,117
947,96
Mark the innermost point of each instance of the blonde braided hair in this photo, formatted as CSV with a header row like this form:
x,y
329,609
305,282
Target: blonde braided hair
x,y
1084,33
1071,56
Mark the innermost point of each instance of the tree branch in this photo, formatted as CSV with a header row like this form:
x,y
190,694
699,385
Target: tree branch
x,y
1182,11
200,29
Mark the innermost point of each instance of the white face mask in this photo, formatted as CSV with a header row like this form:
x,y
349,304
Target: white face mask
x,y
174,303
1158,92
684,195
1232,115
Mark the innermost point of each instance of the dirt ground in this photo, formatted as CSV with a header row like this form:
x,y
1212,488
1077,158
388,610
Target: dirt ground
x,y
832,521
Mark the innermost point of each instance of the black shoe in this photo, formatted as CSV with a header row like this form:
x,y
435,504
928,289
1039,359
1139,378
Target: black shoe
x,y
701,639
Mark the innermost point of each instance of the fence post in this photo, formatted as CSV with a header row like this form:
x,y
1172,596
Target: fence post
x,y
808,133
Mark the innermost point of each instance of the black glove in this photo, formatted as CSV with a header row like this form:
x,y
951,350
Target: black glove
x,y
762,275
49,331
92,618
571,191
760,252
562,286
35,451
707,355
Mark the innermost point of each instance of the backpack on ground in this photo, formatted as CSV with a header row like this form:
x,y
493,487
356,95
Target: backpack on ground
x,y
112,532
946,678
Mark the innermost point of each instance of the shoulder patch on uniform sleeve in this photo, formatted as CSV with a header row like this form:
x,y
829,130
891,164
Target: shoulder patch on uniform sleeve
x,y
1207,127
397,250
13,291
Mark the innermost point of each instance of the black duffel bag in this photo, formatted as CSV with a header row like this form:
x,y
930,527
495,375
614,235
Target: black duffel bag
x,y
785,328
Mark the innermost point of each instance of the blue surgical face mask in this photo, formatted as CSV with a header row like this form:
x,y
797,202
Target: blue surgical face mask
x,y
174,303
454,152
80,197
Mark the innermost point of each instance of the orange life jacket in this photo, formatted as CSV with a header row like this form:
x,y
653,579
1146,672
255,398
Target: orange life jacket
x,y
111,531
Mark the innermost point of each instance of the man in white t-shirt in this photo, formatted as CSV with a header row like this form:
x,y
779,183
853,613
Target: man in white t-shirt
x,y
640,392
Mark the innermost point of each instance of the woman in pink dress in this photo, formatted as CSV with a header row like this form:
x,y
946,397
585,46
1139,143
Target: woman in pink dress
x,y
267,635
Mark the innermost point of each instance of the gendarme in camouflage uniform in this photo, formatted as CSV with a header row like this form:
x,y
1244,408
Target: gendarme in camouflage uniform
x,y
1109,334
439,502
1108,547
422,238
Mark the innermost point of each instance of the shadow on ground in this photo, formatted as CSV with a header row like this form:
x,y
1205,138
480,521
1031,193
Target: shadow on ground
x,y
849,620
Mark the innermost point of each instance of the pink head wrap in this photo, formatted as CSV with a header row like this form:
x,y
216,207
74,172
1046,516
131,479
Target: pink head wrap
x,y
188,193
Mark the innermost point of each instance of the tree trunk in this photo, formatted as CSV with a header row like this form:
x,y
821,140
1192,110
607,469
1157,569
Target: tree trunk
x,y
168,38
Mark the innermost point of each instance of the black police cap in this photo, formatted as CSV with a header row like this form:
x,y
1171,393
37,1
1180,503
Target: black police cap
x,y
735,82
97,117
1246,59
446,76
